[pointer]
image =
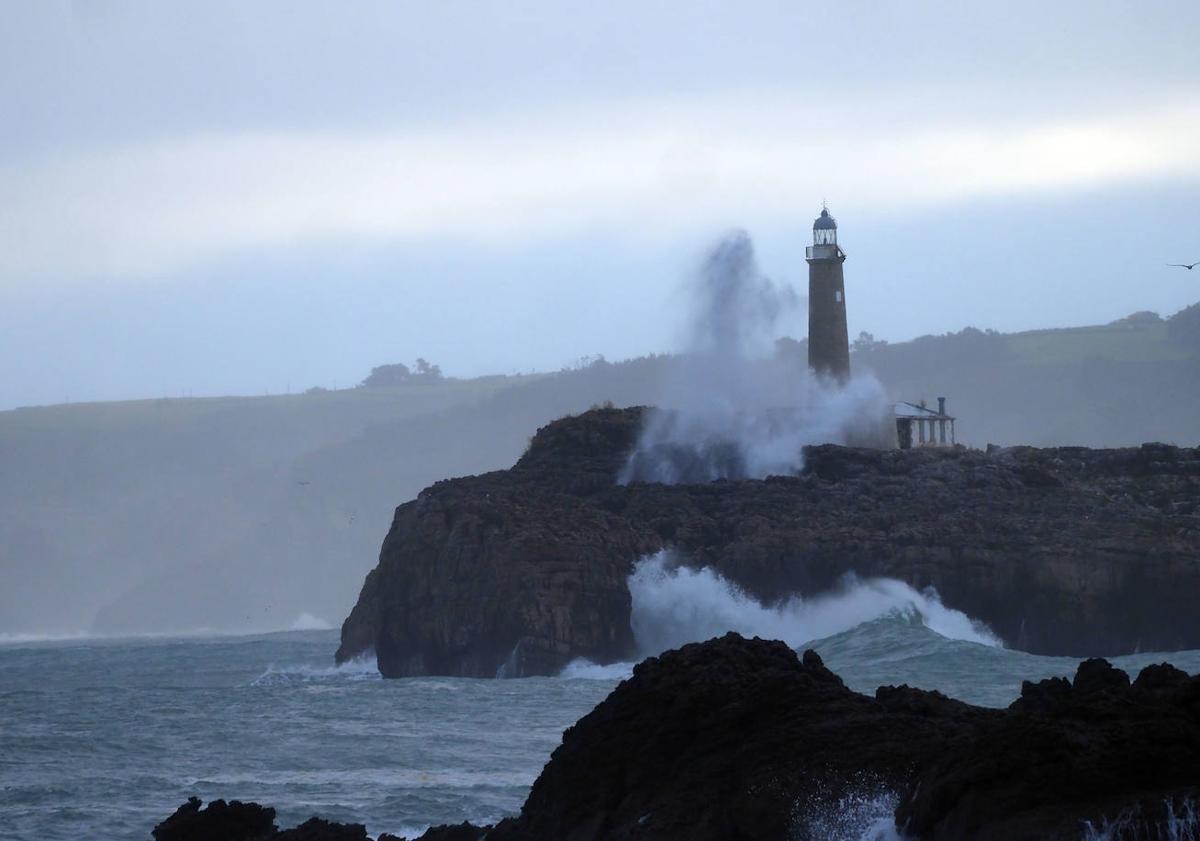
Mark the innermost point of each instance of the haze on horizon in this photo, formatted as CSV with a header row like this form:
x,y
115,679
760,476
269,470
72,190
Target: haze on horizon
x,y
229,198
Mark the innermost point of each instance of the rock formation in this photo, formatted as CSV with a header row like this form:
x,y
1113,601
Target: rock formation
x,y
1064,551
738,738
732,739
1123,758
742,739
237,821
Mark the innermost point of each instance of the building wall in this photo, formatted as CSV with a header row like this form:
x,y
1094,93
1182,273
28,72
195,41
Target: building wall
x,y
828,342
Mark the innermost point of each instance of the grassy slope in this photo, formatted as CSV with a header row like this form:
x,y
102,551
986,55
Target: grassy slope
x,y
1116,342
1112,385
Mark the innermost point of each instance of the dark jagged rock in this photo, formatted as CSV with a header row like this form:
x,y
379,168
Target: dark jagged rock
x,y
1098,675
1160,676
742,739
730,739
1061,551
237,821
737,738
1093,751
218,821
319,829
453,832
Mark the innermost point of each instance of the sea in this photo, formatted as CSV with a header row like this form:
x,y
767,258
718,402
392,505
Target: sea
x,y
104,737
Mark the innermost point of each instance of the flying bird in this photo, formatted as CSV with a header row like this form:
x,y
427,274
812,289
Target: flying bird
x,y
1188,266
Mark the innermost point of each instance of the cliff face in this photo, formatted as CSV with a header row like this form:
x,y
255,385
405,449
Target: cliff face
x,y
1061,551
509,573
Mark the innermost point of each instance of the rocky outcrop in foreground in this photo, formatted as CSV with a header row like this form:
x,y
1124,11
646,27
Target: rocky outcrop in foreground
x,y
237,821
742,739
1066,551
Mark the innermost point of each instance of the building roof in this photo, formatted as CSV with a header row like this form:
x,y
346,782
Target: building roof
x,y
825,221
904,409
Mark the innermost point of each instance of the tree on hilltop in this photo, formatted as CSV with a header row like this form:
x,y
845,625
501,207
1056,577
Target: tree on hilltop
x,y
427,371
382,376
866,342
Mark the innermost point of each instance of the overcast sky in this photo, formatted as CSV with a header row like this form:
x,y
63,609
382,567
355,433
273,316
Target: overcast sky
x,y
207,198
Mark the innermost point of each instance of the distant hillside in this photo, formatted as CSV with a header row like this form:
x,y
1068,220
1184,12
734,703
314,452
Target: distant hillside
x,y
1135,380
247,512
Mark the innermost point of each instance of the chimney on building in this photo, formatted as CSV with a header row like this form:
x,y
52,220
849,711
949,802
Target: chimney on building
x,y
941,405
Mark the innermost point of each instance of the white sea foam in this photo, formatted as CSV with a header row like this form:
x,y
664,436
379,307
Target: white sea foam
x,y
1180,822
863,813
581,668
35,637
303,622
308,622
673,605
27,638
360,668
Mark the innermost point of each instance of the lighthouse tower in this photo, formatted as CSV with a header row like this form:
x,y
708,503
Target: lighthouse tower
x,y
828,342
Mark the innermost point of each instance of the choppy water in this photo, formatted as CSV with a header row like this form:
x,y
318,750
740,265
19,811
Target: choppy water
x,y
111,736
104,738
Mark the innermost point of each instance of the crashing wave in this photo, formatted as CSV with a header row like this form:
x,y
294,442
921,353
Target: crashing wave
x,y
360,668
673,605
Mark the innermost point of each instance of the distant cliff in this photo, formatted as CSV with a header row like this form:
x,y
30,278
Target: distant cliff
x,y
1065,551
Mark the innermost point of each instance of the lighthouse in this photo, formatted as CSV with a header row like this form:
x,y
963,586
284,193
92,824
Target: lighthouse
x,y
828,341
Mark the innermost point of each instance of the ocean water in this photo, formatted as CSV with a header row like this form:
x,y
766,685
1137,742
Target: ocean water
x,y
104,738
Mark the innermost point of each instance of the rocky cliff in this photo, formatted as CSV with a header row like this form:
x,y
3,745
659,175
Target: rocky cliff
x,y
1060,551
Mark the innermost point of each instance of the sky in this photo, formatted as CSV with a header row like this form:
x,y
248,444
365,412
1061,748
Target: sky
x,y
232,198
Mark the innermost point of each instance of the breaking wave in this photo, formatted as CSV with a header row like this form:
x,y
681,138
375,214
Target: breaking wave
x,y
308,622
303,622
18,638
360,668
674,605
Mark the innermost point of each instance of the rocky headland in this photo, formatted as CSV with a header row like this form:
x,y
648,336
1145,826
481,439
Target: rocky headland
x,y
1067,551
743,739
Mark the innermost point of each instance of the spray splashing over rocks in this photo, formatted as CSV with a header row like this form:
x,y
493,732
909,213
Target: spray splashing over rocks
x,y
734,411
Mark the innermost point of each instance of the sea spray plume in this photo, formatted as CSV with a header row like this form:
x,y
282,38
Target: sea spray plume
x,y
864,811
1177,819
733,411
735,307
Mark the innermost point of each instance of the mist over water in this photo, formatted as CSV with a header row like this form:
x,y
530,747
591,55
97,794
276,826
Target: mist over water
x,y
733,411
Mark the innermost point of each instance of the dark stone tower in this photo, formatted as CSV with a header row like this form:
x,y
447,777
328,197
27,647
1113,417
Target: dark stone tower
x,y
828,342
